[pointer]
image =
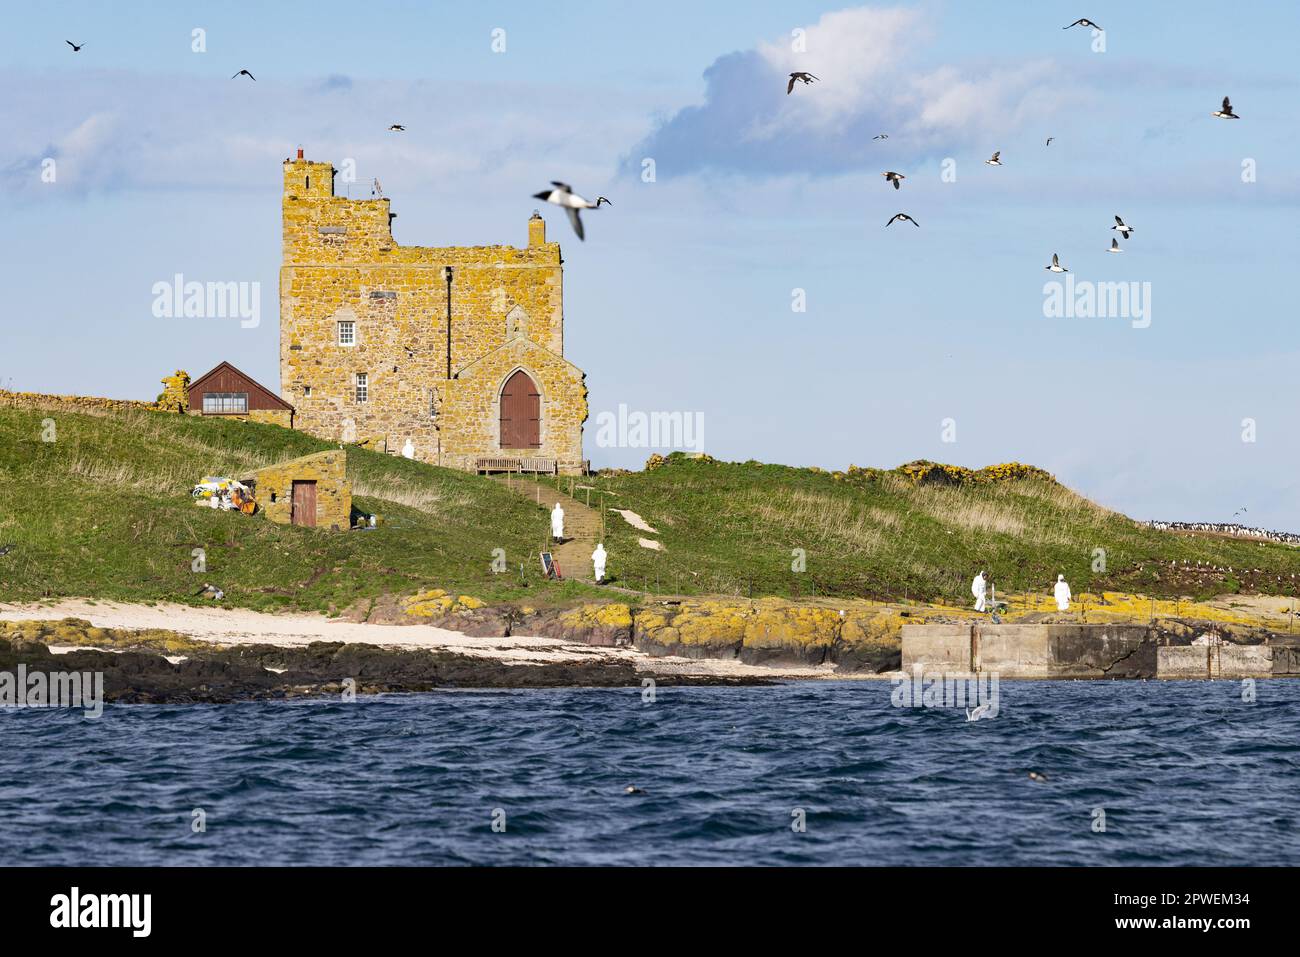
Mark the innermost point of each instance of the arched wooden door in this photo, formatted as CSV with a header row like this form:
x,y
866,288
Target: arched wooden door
x,y
521,413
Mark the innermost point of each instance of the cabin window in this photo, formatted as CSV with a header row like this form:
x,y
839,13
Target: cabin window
x,y
362,387
225,403
347,333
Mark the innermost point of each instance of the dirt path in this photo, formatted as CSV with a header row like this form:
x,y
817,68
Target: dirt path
x,y
581,527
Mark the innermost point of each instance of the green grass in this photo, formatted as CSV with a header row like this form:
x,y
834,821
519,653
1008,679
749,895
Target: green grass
x,y
731,527
105,511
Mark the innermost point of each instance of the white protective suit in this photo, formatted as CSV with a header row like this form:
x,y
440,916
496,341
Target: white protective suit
x,y
408,450
1062,592
598,561
557,522
978,588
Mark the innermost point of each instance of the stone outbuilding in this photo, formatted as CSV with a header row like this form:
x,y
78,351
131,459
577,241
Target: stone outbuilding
x,y
311,491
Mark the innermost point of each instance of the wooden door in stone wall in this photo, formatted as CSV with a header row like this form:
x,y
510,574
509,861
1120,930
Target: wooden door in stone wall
x,y
521,413
304,504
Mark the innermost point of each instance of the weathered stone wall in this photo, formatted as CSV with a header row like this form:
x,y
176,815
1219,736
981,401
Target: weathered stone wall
x,y
280,417
342,264
175,395
333,491
74,403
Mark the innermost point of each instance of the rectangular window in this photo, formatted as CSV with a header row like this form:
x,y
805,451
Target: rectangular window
x,y
347,333
225,403
363,387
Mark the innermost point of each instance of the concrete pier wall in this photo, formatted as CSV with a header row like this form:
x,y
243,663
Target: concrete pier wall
x,y
1084,651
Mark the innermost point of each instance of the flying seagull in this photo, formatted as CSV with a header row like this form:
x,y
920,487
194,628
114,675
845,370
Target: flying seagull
x,y
895,178
1226,113
244,73
1049,141
211,591
881,136
800,77
563,195
397,128
1114,246
1124,228
994,161
75,47
1083,22
1056,264
903,216
983,711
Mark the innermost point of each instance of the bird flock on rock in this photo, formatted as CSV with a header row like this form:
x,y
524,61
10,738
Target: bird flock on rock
x,y
1227,528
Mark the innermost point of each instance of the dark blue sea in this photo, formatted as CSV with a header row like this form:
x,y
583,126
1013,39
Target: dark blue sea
x,y
1184,772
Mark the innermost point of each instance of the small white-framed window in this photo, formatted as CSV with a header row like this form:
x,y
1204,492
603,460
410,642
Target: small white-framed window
x,y
362,390
347,332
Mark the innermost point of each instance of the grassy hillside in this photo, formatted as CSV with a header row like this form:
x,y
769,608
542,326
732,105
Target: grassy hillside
x,y
105,511
730,527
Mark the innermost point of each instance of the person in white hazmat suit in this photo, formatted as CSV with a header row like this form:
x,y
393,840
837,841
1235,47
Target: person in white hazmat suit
x,y
979,588
598,561
557,523
1062,592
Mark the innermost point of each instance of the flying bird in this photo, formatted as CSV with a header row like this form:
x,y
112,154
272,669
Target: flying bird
x,y
211,591
75,47
983,711
397,128
1124,228
800,77
563,195
994,161
244,73
1083,22
1049,141
881,136
1056,264
895,178
1114,246
903,216
1226,113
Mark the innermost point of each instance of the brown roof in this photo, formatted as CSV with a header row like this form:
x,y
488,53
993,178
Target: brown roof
x,y
253,386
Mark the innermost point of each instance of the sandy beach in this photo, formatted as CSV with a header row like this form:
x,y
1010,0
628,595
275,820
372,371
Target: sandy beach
x,y
235,626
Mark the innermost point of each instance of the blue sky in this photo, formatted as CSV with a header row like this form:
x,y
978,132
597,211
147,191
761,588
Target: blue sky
x,y
681,297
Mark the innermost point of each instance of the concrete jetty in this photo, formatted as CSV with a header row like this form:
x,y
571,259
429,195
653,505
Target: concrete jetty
x,y
1088,651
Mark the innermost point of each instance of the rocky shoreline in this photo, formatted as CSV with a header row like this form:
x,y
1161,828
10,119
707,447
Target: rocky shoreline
x,y
764,632
201,673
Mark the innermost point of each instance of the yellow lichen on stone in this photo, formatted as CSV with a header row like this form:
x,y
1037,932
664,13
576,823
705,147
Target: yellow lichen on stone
x,y
435,603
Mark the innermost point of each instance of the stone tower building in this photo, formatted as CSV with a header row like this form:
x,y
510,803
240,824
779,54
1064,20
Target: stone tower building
x,y
364,346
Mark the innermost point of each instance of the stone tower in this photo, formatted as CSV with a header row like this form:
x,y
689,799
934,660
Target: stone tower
x,y
364,346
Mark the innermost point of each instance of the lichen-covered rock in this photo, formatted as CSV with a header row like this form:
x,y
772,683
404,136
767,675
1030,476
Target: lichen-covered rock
x,y
778,633
705,629
436,603
870,640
